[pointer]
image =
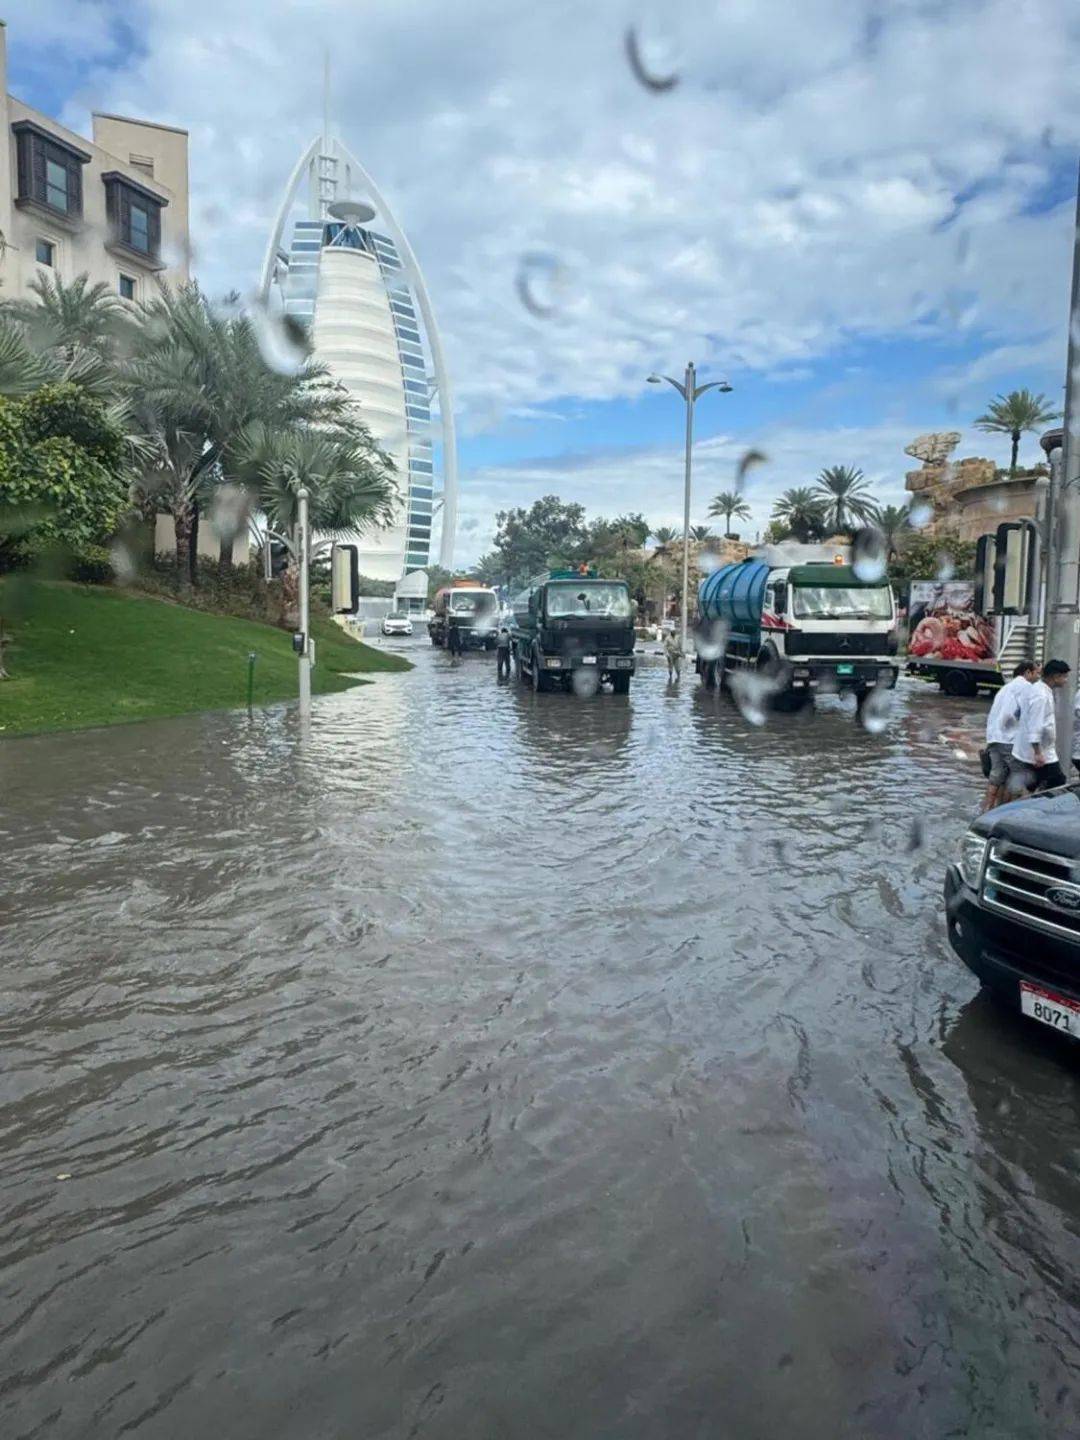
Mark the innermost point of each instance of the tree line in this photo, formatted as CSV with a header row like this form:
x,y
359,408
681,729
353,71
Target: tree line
x,y
111,413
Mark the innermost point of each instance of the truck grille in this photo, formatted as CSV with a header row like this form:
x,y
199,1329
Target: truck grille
x,y
1032,888
841,646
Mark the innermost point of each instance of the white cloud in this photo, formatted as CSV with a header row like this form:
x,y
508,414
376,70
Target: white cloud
x,y
807,181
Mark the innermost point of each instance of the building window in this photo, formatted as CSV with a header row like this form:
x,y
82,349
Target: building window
x,y
45,252
49,170
56,186
138,227
134,215
127,287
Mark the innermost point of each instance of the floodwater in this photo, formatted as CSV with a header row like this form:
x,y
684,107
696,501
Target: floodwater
x,y
481,1064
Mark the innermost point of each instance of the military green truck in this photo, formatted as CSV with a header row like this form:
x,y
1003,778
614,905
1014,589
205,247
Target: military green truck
x,y
572,620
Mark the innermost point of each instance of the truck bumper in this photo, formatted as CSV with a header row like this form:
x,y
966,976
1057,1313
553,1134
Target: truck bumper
x,y
842,675
1001,954
613,664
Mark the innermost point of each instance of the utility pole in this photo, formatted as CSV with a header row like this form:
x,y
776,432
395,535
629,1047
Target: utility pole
x,y
1063,523
303,547
691,392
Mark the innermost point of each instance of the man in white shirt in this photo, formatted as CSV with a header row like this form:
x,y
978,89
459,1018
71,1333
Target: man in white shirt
x,y
1034,750
1001,726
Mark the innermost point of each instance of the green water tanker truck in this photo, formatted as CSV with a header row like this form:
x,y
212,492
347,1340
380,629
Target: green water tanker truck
x,y
572,620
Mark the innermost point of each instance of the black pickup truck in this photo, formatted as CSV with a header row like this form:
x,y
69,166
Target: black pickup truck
x,y
1013,905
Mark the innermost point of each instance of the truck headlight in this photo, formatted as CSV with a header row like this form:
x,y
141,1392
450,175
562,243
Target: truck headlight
x,y
972,855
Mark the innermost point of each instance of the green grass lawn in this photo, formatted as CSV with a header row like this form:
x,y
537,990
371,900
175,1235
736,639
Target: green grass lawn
x,y
81,655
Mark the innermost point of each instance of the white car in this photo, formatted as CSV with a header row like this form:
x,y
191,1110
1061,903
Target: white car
x,y
396,623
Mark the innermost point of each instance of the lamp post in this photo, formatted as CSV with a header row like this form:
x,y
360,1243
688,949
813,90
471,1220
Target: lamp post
x,y
303,546
691,392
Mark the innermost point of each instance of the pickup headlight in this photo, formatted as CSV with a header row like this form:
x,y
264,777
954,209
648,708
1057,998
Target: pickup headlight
x,y
972,854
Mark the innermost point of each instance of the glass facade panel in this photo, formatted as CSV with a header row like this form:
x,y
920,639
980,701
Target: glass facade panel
x,y
139,233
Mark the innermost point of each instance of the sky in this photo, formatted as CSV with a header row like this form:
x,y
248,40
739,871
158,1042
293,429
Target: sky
x,y
858,212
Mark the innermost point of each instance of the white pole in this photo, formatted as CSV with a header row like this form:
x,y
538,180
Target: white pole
x,y
304,551
689,396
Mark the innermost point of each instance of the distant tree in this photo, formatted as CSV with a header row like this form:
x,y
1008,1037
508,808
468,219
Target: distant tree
x,y
664,535
893,523
69,319
550,532
1015,413
731,505
926,557
799,514
845,497
700,534
437,577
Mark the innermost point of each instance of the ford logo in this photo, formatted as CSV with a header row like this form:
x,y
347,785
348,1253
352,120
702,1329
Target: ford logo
x,y
1064,899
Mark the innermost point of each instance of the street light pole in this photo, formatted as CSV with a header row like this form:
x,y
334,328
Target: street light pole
x,y
303,546
690,392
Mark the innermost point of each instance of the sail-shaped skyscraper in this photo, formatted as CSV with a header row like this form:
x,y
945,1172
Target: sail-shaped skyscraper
x,y
338,262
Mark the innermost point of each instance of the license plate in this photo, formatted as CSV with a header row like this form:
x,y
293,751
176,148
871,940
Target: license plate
x,y
588,659
845,669
623,664
1053,1010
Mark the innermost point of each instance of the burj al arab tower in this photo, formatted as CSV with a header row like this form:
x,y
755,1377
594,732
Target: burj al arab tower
x,y
339,262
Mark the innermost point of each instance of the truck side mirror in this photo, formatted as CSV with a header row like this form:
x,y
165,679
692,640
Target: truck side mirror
x,y
1014,567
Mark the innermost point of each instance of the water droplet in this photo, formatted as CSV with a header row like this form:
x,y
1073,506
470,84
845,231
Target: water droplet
x,y
747,463
945,569
1003,1107
122,562
920,515
999,503
585,682
875,711
542,282
282,340
752,693
916,835
641,64
708,561
963,248
229,511
710,640
868,555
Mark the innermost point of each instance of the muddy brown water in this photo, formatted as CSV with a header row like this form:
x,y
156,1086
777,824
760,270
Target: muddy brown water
x,y
481,1064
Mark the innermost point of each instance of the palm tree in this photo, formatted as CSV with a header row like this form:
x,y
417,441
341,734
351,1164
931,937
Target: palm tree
x,y
196,381
665,536
802,514
731,505
350,492
1015,413
893,523
700,534
845,497
68,319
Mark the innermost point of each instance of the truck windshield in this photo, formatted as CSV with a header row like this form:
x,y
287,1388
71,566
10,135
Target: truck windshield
x,y
471,604
589,599
834,602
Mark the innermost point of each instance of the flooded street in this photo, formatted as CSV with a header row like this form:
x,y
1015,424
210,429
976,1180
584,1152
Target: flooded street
x,y
484,1064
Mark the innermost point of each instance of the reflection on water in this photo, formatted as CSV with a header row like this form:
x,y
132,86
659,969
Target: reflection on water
x,y
484,1063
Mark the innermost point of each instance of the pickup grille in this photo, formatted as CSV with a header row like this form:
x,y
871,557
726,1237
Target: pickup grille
x,y
1020,883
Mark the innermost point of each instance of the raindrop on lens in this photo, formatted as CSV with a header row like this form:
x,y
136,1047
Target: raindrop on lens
x,y
541,283
751,693
584,681
920,515
710,639
916,835
122,562
868,555
281,340
747,463
875,711
643,67
946,569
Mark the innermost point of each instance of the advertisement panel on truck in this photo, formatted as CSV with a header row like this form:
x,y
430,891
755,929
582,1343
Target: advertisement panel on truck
x,y
944,624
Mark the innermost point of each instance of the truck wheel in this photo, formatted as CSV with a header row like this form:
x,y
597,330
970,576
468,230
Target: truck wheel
x,y
786,702
959,683
620,683
537,678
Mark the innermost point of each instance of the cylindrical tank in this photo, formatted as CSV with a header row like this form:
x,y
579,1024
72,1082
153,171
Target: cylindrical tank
x,y
734,593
